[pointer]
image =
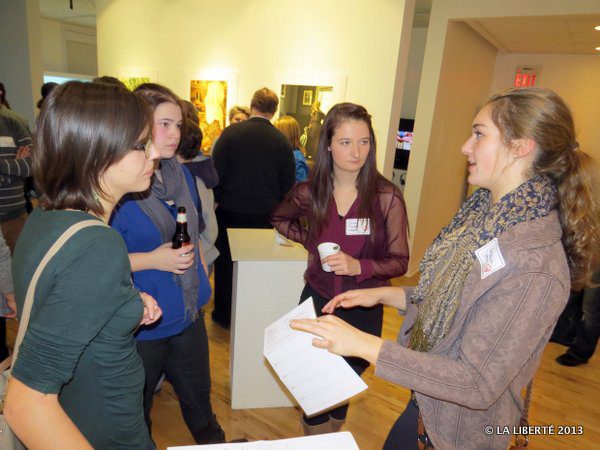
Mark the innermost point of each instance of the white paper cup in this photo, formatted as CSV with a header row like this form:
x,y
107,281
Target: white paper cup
x,y
326,249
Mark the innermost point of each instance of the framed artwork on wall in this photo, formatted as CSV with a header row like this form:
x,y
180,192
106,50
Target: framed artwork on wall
x,y
133,77
210,98
307,96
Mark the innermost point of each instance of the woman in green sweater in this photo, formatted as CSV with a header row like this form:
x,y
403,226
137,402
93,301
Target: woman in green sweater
x,y
77,382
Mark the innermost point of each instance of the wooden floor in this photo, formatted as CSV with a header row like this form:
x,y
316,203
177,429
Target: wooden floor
x,y
561,396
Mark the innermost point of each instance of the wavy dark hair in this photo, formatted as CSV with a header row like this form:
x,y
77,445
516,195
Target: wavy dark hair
x,y
83,129
191,141
321,180
542,116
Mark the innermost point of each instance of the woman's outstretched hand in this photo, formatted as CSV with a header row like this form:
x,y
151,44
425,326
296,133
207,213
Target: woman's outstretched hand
x,y
339,337
351,299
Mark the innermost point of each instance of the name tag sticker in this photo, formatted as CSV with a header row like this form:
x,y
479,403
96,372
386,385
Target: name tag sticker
x,y
490,258
358,227
7,141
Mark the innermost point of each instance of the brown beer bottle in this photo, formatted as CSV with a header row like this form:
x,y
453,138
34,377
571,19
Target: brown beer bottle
x,y
181,238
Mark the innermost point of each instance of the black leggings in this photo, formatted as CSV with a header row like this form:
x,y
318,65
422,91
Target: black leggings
x,y
370,321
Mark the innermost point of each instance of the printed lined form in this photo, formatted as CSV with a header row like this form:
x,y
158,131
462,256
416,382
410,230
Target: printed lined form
x,y
331,441
317,379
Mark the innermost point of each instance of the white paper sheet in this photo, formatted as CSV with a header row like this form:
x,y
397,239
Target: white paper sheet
x,y
331,441
316,378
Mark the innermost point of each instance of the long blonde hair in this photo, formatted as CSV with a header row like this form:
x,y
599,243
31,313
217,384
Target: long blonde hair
x,y
541,115
291,130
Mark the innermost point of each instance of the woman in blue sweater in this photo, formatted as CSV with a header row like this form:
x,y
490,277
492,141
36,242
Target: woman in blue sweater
x,y
176,278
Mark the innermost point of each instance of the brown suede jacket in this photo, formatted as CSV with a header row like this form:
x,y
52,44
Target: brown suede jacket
x,y
474,377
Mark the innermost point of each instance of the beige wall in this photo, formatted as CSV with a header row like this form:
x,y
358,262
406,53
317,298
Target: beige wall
x,y
68,48
461,91
258,40
428,212
576,78
53,53
414,66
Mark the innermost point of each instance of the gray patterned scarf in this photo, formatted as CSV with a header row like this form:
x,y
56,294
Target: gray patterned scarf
x,y
449,260
174,188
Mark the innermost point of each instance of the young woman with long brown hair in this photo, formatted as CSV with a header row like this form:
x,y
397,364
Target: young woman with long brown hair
x,y
492,284
177,278
348,202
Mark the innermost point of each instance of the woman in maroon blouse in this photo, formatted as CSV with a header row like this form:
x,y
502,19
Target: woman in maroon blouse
x,y
348,202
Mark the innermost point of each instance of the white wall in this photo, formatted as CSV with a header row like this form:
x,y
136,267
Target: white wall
x,y
576,78
260,39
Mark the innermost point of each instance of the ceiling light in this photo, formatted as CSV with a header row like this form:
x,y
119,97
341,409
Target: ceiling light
x,y
598,48
597,27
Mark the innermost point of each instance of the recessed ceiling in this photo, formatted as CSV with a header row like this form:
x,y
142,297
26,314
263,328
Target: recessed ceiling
x,y
556,34
83,12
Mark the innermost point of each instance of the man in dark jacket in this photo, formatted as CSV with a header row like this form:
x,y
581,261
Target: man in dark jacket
x,y
256,170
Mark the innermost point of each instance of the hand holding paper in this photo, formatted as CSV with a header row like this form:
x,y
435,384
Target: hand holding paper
x,y
317,379
339,337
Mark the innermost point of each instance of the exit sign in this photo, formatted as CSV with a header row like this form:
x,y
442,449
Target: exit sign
x,y
525,77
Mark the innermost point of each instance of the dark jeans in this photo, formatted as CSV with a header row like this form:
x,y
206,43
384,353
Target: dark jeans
x,y
184,360
588,329
403,434
578,326
223,264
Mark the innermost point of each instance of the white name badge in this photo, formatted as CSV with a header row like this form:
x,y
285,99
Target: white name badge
x,y
7,141
358,227
490,258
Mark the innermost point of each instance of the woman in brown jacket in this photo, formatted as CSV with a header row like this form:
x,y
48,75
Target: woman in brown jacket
x,y
492,284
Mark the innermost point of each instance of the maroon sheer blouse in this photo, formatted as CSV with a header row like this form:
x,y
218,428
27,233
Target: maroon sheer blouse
x,y
381,258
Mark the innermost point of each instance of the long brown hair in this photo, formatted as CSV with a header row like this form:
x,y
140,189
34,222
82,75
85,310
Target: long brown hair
x,y
541,115
321,180
291,130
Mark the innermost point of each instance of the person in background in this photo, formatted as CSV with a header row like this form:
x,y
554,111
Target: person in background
x,y
291,130
492,284
45,92
313,129
3,100
238,114
203,168
4,103
348,202
585,325
8,307
177,278
256,167
77,381
15,168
